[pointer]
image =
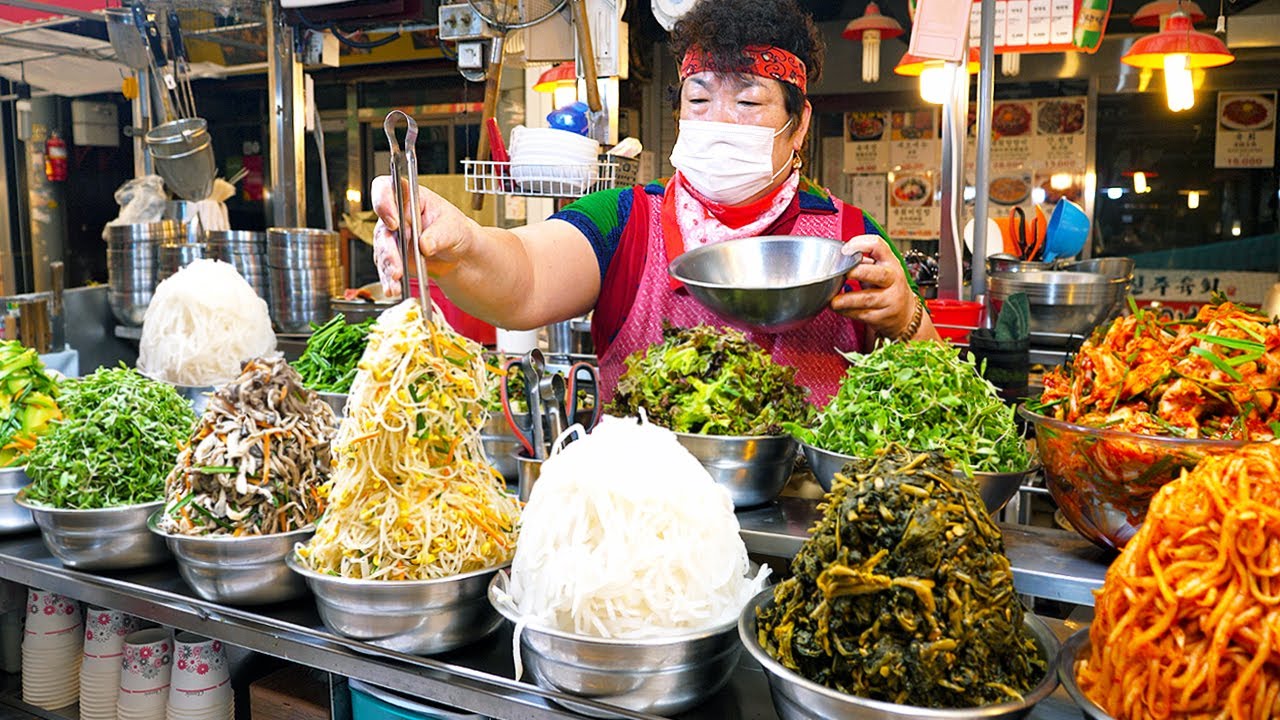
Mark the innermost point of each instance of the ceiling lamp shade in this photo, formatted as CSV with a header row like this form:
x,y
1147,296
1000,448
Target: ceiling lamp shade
x,y
912,65
559,76
869,30
1179,37
1157,13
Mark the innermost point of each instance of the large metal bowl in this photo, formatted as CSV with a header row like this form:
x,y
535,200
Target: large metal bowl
x,y
771,283
796,698
108,539
996,488
753,469
659,676
421,617
1063,304
246,570
1103,480
357,311
197,395
336,402
13,517
1075,649
500,446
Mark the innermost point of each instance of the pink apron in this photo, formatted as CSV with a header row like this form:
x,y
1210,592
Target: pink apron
x,y
811,348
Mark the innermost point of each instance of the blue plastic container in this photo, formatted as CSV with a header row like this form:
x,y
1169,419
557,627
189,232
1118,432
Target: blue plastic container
x,y
369,702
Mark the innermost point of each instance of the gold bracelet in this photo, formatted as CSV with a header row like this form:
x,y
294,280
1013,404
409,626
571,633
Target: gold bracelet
x,y
914,325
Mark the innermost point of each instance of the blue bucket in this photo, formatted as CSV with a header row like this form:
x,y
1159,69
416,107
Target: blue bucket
x,y
374,703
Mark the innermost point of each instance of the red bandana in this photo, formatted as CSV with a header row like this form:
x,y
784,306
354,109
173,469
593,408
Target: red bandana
x,y
765,61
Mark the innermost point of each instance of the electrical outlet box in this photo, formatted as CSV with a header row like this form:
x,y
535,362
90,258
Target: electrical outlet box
x,y
471,55
462,22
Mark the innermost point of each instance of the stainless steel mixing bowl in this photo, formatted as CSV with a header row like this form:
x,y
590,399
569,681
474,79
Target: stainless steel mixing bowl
x,y
660,676
753,469
770,283
336,401
108,539
996,488
1075,649
13,517
422,617
1063,304
796,698
246,570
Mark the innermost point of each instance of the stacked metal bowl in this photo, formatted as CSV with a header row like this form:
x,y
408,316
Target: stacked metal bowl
x,y
174,257
305,270
132,262
246,252
1064,303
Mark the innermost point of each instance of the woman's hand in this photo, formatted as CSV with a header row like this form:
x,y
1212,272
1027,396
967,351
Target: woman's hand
x,y
884,300
445,233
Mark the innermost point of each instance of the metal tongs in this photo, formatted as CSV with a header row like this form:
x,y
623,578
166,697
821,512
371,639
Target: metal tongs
x,y
548,396
404,173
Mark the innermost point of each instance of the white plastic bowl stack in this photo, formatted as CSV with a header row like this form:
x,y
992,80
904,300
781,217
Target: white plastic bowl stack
x,y
104,633
51,648
552,161
145,670
200,687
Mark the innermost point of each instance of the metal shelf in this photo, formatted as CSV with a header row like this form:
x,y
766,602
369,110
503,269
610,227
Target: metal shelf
x,y
553,181
477,678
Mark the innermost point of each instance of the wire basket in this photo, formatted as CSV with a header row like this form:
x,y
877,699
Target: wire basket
x,y
558,181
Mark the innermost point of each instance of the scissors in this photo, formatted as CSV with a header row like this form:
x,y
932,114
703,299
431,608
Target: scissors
x,y
1028,241
553,401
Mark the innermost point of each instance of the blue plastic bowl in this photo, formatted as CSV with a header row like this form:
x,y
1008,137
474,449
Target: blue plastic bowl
x,y
1067,232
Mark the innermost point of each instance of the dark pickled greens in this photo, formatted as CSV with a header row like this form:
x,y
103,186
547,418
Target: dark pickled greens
x,y
902,593
118,440
710,381
926,396
328,363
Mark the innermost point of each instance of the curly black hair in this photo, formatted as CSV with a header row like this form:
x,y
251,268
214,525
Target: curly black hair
x,y
723,28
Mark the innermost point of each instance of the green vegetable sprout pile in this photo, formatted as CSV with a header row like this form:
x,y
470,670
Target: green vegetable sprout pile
x,y
328,364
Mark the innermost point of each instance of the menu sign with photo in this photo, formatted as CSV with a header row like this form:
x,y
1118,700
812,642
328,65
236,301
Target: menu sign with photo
x,y
1246,130
1012,147
913,139
868,192
1059,141
912,212
866,141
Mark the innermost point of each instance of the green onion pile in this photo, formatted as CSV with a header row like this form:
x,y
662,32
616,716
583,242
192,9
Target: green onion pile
x,y
118,441
328,364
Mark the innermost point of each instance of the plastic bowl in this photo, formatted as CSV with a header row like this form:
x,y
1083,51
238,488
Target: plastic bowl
x,y
1075,649
771,283
1103,480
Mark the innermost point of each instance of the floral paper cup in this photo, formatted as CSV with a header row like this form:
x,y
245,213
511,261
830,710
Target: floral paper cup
x,y
51,614
146,662
201,680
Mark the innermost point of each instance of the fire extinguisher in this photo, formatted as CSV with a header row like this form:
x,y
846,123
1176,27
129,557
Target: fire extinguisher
x,y
55,158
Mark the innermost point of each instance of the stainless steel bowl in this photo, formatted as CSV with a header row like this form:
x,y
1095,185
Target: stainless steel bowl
x,y
356,311
126,234
302,247
996,488
13,517
1077,648
247,570
336,401
753,469
108,539
796,698
197,395
421,617
1063,304
1117,269
659,676
129,309
770,283
500,446
1003,263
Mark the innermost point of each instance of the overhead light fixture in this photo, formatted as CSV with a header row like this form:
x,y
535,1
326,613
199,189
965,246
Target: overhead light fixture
x,y
1115,193
1156,14
1010,64
870,29
1235,229
1193,199
561,80
1060,181
1178,49
935,75
1140,182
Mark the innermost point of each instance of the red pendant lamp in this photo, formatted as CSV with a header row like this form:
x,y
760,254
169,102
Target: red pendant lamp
x,y
1178,49
869,30
1157,13
561,75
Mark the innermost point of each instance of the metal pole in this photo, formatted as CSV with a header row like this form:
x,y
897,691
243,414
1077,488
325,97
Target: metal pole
x,y
986,105
955,116
141,124
284,77
44,198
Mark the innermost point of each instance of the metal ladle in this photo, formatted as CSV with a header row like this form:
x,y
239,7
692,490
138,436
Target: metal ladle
x,y
404,173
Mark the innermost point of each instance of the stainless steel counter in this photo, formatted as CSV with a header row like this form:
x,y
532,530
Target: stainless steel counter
x,y
476,678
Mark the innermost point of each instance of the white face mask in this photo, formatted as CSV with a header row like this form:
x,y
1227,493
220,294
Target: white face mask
x,y
726,162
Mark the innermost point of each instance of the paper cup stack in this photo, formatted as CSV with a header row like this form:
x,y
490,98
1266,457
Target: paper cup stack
x,y
201,683
51,648
145,669
104,633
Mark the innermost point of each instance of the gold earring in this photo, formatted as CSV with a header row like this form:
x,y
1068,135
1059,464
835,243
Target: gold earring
x,y
797,163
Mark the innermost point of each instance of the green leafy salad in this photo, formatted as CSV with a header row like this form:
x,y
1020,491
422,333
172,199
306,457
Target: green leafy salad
x,y
711,381
925,396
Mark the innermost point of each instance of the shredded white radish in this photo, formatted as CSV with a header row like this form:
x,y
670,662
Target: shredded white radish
x,y
202,323
626,536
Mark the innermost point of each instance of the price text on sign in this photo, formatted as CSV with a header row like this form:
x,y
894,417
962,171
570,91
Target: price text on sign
x,y
1044,26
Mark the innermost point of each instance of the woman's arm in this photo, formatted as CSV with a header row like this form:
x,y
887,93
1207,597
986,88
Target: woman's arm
x,y
517,279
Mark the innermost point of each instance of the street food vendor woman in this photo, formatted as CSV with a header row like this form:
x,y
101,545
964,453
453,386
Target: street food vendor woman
x,y
743,120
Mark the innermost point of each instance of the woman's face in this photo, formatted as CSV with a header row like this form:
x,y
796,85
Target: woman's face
x,y
745,100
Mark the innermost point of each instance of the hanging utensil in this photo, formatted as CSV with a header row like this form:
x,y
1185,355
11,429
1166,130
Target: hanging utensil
x,y
155,47
182,65
1018,226
551,391
597,118
404,174
513,368
533,366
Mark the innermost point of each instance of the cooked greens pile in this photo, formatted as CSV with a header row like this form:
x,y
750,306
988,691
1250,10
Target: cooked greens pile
x,y
116,445
27,407
925,396
328,363
903,594
710,381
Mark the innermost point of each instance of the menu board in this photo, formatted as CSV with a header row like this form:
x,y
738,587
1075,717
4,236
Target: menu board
x,y
868,193
1246,136
914,140
1042,26
866,141
1060,139
912,212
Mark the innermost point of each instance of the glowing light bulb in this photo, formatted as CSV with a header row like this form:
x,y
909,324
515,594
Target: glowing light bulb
x,y
1010,64
1140,182
1235,229
1038,195
1115,193
1193,200
353,196
1179,87
1060,181
870,56
935,82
